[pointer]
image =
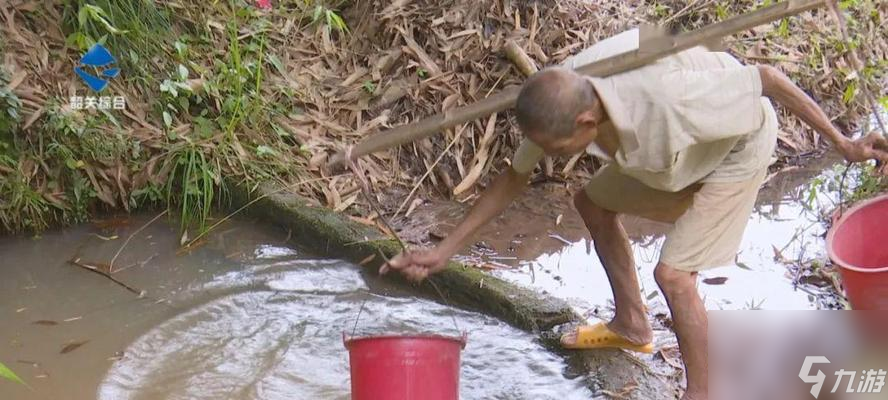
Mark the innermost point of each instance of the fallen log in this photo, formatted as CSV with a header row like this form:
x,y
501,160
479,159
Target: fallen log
x,y
651,48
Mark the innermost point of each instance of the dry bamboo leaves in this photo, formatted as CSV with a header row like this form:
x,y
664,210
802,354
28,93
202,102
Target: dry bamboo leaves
x,y
414,58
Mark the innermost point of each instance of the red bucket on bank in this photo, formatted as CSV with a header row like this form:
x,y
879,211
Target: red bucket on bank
x,y
858,244
409,367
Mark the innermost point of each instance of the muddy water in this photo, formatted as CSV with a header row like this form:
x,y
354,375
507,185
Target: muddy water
x,y
245,316
540,242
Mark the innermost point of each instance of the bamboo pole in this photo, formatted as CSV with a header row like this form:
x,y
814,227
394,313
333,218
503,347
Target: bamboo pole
x,y
650,50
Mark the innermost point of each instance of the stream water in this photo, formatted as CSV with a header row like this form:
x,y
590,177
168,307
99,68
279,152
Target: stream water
x,y
245,316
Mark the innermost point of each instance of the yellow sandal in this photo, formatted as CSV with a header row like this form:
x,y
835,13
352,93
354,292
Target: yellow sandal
x,y
599,336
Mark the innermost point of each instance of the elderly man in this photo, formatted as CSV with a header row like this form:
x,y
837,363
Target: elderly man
x,y
687,140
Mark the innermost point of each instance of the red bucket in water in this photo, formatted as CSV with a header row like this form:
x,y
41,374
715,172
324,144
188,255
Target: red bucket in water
x,y
410,367
858,243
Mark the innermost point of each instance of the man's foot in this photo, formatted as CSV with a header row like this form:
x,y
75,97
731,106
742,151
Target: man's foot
x,y
637,333
601,336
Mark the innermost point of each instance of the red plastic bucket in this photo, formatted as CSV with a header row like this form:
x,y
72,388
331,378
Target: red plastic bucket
x,y
411,367
858,243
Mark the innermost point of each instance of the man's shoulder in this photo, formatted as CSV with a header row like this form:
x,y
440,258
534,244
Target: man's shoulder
x,y
614,45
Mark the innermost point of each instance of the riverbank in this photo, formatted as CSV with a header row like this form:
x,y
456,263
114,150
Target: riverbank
x,y
226,89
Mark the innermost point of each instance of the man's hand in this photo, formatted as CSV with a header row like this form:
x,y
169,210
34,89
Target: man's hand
x,y
417,265
777,86
870,147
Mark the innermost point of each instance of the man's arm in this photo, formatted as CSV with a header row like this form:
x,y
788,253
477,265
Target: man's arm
x,y
419,264
492,202
781,89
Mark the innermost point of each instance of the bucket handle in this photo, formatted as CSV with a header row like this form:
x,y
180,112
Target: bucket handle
x,y
463,339
434,286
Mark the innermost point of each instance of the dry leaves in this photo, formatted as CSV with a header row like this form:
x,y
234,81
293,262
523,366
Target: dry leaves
x,y
407,59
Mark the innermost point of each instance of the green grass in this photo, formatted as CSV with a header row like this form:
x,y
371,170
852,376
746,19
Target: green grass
x,y
22,207
9,115
847,184
193,185
135,31
7,373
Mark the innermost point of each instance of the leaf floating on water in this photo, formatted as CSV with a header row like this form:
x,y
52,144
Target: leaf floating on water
x,y
45,322
72,346
743,266
715,281
652,295
7,373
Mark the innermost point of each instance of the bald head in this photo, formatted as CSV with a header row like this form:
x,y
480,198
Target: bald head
x,y
551,100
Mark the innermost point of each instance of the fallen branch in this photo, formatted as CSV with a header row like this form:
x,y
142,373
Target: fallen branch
x,y
650,50
428,172
98,270
111,264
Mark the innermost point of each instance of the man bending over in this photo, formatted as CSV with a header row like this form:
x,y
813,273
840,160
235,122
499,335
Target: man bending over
x,y
687,140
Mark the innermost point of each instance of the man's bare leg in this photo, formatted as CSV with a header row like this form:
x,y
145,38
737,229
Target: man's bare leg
x,y
691,324
615,253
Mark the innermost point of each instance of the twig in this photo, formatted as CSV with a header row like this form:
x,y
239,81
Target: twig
x,y
429,170
140,263
365,190
111,264
96,270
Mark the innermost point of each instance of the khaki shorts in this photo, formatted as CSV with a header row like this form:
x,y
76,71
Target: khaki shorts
x,y
709,218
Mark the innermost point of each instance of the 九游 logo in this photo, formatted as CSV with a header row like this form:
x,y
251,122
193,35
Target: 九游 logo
x,y
871,381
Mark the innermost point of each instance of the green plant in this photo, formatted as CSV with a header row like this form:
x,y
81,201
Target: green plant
x,y
192,185
845,185
7,373
177,96
721,11
332,20
369,86
9,118
23,207
135,31
9,111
